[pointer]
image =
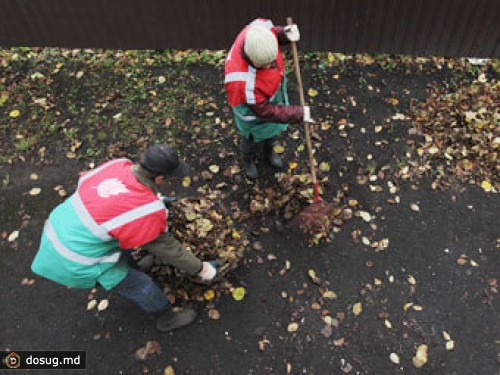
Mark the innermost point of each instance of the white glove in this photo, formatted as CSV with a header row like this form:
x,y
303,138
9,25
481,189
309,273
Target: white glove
x,y
307,114
207,272
292,33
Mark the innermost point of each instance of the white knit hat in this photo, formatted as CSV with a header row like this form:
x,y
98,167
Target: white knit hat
x,y
261,45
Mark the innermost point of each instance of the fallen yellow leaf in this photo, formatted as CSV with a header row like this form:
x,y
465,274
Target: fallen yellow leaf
x,y
486,185
214,168
450,345
92,303
15,113
357,308
324,166
279,149
238,293
312,93
406,306
13,236
35,191
330,294
103,305
394,358
209,295
293,327
420,358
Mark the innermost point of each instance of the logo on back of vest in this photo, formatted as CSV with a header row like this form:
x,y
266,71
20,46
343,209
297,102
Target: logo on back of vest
x,y
111,186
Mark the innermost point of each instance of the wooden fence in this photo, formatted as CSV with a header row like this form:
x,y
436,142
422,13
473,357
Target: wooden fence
x,y
417,27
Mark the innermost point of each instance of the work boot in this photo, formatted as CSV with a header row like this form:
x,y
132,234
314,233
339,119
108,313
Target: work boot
x,y
273,159
170,320
250,168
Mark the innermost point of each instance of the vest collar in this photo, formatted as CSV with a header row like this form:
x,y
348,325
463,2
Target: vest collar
x,y
143,177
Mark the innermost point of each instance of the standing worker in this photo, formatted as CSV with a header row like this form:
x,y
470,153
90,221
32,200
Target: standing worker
x,y
115,207
256,88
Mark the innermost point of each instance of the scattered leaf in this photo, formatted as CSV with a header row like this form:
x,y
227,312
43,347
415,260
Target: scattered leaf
x,y
450,345
293,327
214,168
365,216
312,93
35,191
214,314
92,303
329,294
339,342
263,343
209,295
420,358
103,305
13,236
406,306
15,113
279,149
186,181
394,358
238,293
152,347
446,336
486,185
357,308
324,166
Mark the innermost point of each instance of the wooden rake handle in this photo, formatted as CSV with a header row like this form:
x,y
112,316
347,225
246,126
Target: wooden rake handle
x,y
296,68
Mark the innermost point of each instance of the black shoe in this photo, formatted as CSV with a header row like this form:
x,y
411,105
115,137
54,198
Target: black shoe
x,y
250,169
170,320
274,160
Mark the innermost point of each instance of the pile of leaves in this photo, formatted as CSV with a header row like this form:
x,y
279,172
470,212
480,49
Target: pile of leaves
x,y
462,134
289,196
204,227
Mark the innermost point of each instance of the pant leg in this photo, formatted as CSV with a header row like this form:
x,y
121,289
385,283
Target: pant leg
x,y
268,145
248,148
140,288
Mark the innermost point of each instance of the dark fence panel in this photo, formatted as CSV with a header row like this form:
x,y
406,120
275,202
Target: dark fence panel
x,y
418,27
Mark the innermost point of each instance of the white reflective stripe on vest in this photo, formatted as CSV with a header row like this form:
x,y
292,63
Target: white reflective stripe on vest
x,y
236,76
133,214
75,257
97,170
249,79
87,219
267,24
250,85
245,118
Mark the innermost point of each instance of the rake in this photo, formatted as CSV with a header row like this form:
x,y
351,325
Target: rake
x,y
316,215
